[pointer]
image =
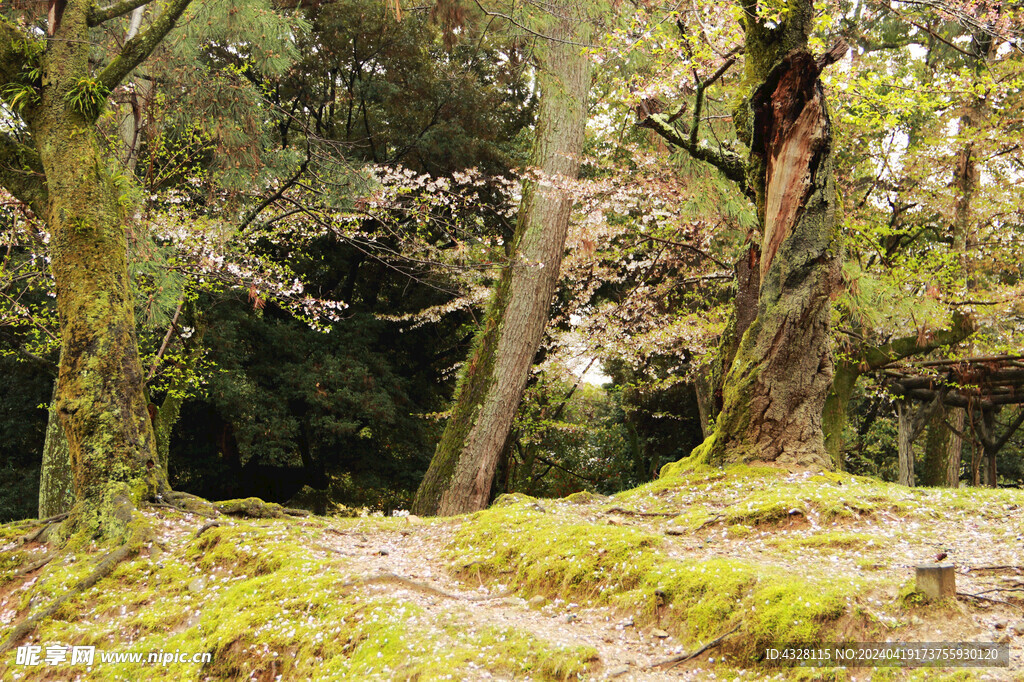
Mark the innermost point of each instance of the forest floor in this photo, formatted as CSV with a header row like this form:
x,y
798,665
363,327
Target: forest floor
x,y
586,587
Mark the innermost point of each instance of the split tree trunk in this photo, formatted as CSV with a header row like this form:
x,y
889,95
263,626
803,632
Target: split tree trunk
x,y
491,386
775,389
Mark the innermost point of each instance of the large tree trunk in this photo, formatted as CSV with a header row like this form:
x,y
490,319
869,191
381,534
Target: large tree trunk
x,y
775,389
491,386
744,311
99,391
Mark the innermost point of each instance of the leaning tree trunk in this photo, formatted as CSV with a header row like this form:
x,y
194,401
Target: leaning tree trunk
x,y
100,385
775,389
491,386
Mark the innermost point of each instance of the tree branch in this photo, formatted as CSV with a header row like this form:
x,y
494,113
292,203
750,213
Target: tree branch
x,y
878,357
136,50
699,96
285,186
98,15
44,364
1010,430
729,162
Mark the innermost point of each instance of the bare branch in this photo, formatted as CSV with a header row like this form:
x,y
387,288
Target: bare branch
x,y
729,162
532,32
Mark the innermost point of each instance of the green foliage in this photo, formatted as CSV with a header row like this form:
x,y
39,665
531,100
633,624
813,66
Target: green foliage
x,y
289,396
20,95
88,97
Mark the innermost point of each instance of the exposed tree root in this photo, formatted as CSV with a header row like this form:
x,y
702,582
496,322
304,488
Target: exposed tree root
x,y
254,507
670,663
633,512
141,534
422,587
979,597
46,524
713,520
36,565
188,503
207,526
250,507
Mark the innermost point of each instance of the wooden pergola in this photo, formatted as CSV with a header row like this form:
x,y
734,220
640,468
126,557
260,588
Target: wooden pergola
x,y
980,386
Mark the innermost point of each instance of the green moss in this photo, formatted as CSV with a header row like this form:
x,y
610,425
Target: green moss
x,y
260,605
755,495
228,546
622,567
830,540
739,531
512,498
251,507
909,595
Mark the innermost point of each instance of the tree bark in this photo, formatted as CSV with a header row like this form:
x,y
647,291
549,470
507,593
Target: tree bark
x,y
99,391
100,397
958,419
937,449
493,379
776,386
56,479
911,424
905,442
744,311
835,413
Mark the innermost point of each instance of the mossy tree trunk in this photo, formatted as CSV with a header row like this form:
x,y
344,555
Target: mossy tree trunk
x,y
710,383
776,386
99,394
56,478
911,422
958,419
494,377
943,448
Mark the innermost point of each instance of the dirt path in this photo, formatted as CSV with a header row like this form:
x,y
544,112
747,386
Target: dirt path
x,y
625,651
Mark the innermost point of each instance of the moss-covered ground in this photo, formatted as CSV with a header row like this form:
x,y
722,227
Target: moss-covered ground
x,y
542,589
